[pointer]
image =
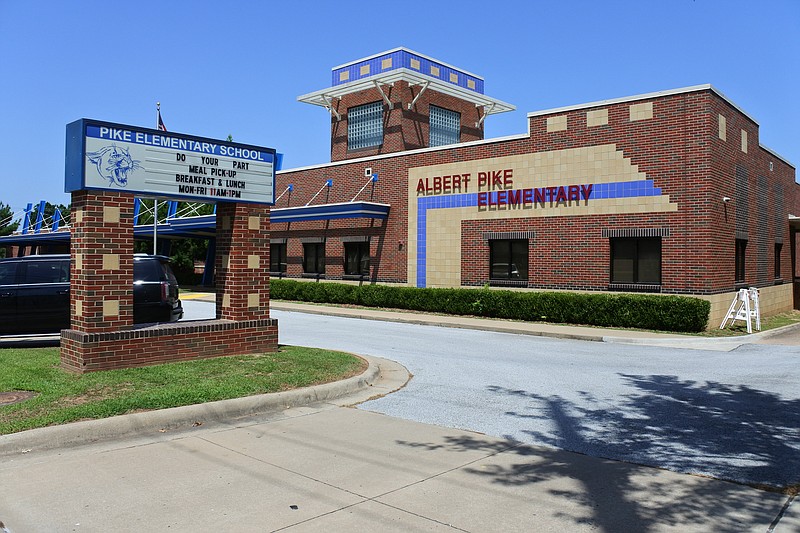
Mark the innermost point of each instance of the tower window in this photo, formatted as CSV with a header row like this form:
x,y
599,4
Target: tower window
x,y
445,126
365,126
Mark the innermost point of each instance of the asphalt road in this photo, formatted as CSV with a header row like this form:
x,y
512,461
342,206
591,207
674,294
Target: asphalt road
x,y
731,415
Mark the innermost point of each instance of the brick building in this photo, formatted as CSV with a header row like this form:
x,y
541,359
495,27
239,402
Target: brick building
x,y
668,192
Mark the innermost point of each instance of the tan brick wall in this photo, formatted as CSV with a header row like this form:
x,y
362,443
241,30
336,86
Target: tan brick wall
x,y
772,301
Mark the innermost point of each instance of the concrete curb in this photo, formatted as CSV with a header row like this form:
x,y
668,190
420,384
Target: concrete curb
x,y
732,342
182,418
457,322
575,332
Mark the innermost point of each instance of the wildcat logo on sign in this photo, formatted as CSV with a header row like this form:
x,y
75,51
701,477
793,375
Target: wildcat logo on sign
x,y
114,164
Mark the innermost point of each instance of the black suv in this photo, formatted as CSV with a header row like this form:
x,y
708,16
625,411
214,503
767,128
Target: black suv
x,y
34,293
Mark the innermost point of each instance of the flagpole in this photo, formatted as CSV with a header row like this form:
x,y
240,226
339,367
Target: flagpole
x,y
155,200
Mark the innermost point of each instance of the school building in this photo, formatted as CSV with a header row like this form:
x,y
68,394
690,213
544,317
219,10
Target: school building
x,y
668,192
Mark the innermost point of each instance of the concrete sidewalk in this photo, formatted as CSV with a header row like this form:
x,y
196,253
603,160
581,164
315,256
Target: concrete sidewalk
x,y
327,467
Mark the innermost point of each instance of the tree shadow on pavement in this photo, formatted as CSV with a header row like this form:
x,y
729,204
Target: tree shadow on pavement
x,y
730,432
727,432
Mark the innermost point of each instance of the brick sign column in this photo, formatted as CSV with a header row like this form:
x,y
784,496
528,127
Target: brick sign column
x,y
101,272
242,262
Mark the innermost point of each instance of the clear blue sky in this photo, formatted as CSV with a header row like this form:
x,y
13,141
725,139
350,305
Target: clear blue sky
x,y
236,68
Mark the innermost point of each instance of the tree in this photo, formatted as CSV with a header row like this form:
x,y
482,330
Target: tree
x,y
7,224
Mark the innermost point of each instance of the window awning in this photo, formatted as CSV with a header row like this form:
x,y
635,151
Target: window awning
x,y
330,212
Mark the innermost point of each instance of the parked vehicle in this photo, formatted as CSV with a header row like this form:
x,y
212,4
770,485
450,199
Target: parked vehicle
x,y
34,293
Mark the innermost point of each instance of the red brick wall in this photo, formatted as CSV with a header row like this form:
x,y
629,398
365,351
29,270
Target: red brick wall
x,y
404,128
678,148
166,343
242,232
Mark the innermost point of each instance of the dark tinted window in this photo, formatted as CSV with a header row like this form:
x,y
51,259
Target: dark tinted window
x,y
741,246
8,273
168,274
314,258
47,272
356,258
508,259
636,260
147,270
277,257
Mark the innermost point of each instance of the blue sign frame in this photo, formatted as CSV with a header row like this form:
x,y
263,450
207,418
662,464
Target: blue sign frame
x,y
147,162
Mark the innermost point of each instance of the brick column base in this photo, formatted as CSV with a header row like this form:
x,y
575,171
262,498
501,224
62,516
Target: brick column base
x,y
166,343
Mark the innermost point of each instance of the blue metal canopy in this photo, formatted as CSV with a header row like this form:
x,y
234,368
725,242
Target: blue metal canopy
x,y
204,226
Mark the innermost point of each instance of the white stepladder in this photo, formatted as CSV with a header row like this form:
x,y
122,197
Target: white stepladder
x,y
744,307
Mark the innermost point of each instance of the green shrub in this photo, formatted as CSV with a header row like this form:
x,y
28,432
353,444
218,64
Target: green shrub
x,y
645,311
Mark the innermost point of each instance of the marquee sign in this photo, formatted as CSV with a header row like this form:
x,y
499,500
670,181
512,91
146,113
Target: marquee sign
x,y
106,156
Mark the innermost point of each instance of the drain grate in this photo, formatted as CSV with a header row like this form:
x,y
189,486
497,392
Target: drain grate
x,y
8,398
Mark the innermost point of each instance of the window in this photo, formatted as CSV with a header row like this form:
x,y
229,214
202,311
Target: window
x,y
778,248
8,273
636,261
47,272
277,257
445,126
145,270
508,259
741,245
314,258
356,258
365,126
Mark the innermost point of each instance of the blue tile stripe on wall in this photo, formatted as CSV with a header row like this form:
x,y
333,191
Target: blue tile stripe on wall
x,y
600,191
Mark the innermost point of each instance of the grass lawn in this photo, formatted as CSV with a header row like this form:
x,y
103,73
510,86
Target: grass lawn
x,y
740,328
63,397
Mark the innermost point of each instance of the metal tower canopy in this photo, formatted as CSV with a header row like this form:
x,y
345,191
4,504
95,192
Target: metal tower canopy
x,y
401,64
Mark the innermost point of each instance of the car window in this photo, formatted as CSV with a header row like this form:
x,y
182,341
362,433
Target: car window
x,y
8,273
169,274
146,270
47,272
